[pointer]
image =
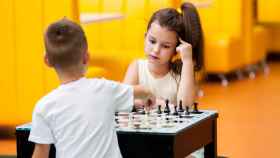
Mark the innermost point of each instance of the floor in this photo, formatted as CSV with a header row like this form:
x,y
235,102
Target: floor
x,y
249,116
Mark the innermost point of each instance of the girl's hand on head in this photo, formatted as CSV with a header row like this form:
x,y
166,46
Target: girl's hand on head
x,y
185,50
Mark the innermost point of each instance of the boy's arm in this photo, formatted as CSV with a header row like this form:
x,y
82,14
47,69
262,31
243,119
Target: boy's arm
x,y
41,151
140,92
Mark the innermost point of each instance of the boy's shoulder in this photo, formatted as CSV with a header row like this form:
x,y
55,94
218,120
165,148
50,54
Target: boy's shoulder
x,y
46,101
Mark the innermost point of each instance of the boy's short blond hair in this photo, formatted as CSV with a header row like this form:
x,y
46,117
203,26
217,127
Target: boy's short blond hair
x,y
65,43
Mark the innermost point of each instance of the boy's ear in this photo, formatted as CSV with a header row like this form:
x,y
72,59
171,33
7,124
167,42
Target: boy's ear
x,y
86,58
46,60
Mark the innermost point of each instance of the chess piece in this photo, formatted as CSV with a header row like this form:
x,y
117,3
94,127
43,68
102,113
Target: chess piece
x,y
159,109
181,110
195,108
187,112
143,110
175,111
166,109
134,109
148,107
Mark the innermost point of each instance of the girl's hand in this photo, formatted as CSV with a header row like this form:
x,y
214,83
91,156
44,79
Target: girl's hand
x,y
185,50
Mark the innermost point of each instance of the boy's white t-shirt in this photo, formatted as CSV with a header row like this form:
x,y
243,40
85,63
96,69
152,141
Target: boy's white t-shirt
x,y
78,117
165,87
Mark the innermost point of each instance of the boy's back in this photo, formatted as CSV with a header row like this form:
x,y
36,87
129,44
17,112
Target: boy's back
x,y
78,117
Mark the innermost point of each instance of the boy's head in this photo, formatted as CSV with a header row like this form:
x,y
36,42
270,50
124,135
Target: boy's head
x,y
66,45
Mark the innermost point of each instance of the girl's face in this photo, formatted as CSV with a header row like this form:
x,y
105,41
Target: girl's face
x,y
160,44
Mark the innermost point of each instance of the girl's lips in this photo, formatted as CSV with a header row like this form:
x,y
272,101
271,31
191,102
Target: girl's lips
x,y
153,57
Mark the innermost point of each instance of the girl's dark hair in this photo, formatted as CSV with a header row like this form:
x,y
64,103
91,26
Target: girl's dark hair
x,y
188,28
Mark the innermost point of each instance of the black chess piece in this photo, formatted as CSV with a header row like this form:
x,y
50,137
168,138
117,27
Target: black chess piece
x,y
159,109
195,108
181,110
143,110
187,112
166,109
134,109
175,111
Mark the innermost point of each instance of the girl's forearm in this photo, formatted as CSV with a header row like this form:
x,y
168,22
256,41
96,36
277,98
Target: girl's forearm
x,y
186,87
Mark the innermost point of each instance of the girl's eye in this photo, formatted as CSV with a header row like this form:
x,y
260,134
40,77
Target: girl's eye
x,y
166,46
152,41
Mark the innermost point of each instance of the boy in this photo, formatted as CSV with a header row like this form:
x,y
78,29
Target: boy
x,y
78,116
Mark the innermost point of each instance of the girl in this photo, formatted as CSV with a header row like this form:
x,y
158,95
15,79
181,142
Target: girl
x,y
170,34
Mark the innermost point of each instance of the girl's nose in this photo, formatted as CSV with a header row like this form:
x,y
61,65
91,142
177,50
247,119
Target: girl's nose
x,y
156,48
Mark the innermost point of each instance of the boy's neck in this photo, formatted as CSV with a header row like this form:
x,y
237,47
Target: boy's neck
x,y
69,77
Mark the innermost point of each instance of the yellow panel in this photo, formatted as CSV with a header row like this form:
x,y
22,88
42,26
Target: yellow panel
x,y
135,9
134,33
155,5
7,65
135,24
268,11
231,16
90,5
210,17
93,34
111,31
54,10
29,55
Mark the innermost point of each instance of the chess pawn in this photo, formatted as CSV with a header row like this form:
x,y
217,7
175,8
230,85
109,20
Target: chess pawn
x,y
134,109
143,110
195,108
175,111
130,119
187,112
159,109
181,110
166,109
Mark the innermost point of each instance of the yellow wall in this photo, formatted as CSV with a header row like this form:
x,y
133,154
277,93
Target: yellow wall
x,y
25,78
7,64
268,11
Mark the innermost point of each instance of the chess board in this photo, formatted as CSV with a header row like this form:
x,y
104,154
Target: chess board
x,y
150,135
159,123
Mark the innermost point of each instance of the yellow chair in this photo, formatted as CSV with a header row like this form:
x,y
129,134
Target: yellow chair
x,y
255,40
222,28
268,17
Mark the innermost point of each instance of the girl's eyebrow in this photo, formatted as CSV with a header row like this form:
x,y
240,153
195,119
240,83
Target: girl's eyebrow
x,y
164,42
150,36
